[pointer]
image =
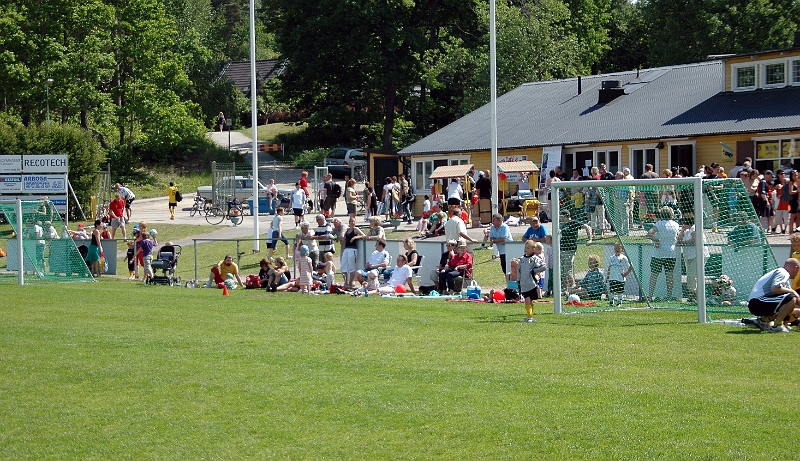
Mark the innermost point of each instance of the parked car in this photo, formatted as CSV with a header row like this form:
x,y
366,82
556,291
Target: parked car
x,y
341,159
240,187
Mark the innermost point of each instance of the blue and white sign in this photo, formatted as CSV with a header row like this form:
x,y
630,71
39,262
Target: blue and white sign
x,y
44,164
10,164
44,183
10,184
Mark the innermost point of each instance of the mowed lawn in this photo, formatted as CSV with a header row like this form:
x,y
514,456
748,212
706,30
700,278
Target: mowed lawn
x,y
113,370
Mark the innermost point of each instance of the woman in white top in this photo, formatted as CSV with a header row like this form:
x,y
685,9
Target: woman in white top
x,y
454,193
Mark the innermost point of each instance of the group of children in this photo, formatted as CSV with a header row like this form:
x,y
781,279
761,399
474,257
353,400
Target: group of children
x,y
275,276
528,271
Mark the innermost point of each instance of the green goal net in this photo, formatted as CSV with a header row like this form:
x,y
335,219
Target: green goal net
x,y
646,250
49,253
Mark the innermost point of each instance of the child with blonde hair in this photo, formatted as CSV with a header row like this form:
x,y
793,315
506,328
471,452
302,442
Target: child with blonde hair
x,y
530,268
593,284
330,269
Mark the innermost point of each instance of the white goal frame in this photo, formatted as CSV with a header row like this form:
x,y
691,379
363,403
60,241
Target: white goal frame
x,y
699,237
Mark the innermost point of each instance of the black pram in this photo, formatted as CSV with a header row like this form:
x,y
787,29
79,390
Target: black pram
x,y
166,261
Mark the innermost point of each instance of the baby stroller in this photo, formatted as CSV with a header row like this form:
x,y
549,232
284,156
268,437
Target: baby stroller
x,y
166,262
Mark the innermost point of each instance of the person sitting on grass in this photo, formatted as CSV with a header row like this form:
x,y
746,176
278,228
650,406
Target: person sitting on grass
x,y
593,284
220,271
277,275
263,272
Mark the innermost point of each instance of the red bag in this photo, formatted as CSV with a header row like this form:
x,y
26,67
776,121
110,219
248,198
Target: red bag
x,y
252,281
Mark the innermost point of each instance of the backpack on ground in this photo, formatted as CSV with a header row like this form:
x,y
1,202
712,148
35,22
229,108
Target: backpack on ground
x,y
178,196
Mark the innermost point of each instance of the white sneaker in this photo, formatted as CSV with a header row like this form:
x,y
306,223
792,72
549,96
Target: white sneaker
x,y
530,320
780,329
762,324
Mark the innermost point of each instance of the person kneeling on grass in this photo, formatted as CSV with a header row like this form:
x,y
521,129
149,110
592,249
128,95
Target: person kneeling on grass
x,y
773,300
401,275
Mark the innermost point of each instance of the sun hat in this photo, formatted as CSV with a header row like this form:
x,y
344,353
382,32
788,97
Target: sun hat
x,y
461,243
304,250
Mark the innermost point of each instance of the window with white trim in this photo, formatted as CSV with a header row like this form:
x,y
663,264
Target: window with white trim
x,y
641,157
774,74
796,72
423,167
744,77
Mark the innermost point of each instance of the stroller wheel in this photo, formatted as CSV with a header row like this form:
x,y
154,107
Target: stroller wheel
x,y
178,280
171,281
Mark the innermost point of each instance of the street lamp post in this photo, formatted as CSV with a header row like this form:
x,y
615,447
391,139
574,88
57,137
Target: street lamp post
x,y
47,84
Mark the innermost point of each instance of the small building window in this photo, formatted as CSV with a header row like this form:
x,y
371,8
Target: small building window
x,y
776,74
746,77
796,72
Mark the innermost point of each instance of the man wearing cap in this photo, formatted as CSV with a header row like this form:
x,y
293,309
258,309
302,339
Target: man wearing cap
x,y
450,248
536,232
460,265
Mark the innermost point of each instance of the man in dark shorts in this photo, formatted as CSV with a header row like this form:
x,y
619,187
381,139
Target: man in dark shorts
x,y
773,300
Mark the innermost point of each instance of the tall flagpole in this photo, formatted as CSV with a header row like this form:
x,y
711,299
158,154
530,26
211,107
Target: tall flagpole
x,y
254,123
493,103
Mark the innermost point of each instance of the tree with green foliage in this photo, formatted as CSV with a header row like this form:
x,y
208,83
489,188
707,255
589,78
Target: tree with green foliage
x,y
683,31
83,152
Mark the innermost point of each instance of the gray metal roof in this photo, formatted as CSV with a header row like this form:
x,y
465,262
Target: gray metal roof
x,y
238,72
666,102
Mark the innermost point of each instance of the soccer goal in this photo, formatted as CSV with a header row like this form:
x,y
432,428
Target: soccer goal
x,y
34,234
682,243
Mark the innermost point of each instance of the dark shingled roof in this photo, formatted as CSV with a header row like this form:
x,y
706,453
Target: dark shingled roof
x,y
674,101
239,72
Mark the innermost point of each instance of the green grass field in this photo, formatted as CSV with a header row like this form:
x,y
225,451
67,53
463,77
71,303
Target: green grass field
x,y
114,370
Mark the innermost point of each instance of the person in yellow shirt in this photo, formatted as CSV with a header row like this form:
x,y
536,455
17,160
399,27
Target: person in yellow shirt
x,y
173,202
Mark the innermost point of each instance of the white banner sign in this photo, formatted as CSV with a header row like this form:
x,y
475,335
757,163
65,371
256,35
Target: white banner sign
x,y
10,164
44,163
10,184
44,183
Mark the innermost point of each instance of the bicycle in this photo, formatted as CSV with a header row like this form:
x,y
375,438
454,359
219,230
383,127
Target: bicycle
x,y
359,174
234,211
201,205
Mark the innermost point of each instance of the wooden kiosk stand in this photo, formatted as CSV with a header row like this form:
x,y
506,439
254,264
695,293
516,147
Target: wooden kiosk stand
x,y
450,172
528,204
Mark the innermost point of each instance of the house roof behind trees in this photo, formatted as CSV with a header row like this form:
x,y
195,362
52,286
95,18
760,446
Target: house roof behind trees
x,y
673,101
238,72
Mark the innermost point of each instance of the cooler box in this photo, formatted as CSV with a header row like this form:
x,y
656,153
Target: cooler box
x,y
264,205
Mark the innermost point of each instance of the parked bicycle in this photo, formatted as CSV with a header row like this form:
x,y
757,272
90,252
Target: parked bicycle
x,y
233,210
359,174
201,205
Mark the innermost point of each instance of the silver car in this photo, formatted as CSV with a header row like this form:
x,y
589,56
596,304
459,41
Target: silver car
x,y
340,160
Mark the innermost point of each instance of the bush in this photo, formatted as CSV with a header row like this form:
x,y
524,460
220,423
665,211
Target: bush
x,y
82,150
308,159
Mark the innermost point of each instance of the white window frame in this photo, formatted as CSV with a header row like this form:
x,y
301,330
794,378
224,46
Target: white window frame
x,y
451,160
595,151
763,73
686,142
794,74
735,76
644,148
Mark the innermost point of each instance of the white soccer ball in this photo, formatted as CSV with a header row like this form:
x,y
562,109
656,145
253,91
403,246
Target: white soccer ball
x,y
153,232
573,298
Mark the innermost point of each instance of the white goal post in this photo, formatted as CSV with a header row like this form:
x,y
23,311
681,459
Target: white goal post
x,y
562,190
